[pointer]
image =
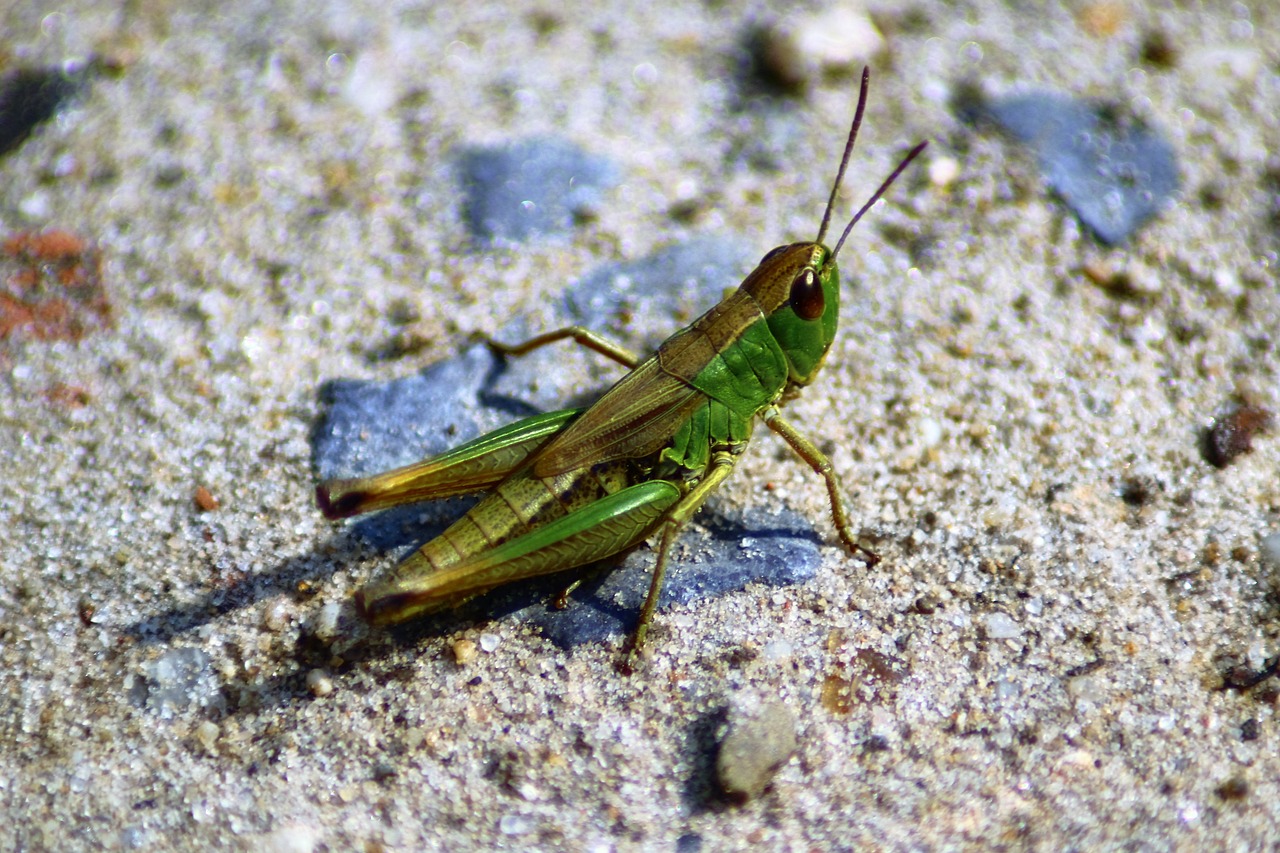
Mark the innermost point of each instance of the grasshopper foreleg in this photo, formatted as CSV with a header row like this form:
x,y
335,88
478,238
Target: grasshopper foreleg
x,y
581,336
818,460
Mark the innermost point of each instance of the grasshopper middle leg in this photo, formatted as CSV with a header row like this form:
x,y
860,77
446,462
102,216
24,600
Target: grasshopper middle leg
x,y
581,336
721,466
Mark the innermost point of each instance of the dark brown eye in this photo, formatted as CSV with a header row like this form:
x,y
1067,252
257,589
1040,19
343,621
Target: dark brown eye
x,y
807,299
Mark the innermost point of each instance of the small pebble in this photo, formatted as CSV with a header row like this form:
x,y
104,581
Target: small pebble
x,y
204,500
464,652
779,650
291,838
1085,688
276,615
319,682
1249,730
181,678
1256,655
1212,68
328,622
371,84
930,432
87,610
943,171
1001,627
1102,19
760,740
36,207
799,50
515,824
489,642
1232,434
1227,281
207,734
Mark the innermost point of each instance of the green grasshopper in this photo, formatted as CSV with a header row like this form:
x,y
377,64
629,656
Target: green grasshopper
x,y
574,487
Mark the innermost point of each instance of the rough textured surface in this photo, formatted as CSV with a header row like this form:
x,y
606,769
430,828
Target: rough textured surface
x,y
1017,412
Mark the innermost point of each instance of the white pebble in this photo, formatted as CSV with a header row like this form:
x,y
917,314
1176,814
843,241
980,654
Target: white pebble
x,y
370,86
327,622
319,682
930,432
779,650
276,616
943,171
800,49
1001,627
761,738
36,207
292,838
514,824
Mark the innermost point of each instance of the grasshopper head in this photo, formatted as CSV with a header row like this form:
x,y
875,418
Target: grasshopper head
x,y
798,286
798,289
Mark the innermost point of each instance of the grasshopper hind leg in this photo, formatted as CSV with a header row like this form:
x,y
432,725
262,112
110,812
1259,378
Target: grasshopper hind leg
x,y
721,466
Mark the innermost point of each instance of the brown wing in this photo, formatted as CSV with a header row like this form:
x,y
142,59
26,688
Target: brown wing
x,y
635,418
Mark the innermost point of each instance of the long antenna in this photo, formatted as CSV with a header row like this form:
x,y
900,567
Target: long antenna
x,y
848,149
906,161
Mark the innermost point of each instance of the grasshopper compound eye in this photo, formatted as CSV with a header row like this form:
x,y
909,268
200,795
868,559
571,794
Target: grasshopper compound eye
x,y
807,299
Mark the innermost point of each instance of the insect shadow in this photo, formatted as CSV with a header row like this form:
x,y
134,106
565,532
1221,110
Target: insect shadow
x,y
604,606
700,792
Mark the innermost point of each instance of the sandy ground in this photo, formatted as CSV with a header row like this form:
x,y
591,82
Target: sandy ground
x,y
1038,661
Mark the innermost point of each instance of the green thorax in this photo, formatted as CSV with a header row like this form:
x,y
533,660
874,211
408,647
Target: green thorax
x,y
771,334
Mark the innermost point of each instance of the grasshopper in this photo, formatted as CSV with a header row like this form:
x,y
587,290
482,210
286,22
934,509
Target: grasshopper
x,y
578,486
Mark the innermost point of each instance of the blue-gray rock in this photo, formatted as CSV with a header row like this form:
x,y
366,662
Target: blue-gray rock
x,y
1115,175
531,187
686,278
370,426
